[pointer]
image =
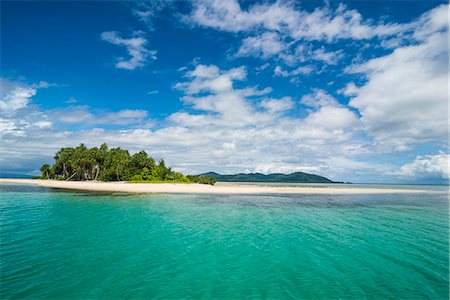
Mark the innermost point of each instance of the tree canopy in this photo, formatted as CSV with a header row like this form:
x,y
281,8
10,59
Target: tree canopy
x,y
115,164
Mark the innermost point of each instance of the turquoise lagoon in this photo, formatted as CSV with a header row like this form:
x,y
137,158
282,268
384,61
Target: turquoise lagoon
x,y
60,244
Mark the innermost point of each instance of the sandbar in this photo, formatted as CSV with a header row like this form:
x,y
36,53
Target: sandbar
x,y
219,188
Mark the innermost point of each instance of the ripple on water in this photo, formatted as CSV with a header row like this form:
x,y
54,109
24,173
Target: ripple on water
x,y
97,245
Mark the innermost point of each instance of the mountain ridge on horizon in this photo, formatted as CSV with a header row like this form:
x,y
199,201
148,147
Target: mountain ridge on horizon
x,y
296,177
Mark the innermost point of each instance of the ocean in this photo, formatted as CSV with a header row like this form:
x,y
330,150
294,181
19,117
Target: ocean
x,y
65,244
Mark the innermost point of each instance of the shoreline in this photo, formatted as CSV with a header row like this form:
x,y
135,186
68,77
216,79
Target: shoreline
x,y
194,188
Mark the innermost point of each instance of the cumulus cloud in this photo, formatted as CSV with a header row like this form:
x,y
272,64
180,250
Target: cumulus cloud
x,y
433,165
229,126
266,138
277,105
332,118
404,100
20,117
240,128
211,79
222,99
136,49
16,99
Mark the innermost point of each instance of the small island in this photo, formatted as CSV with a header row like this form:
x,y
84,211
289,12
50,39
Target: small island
x,y
106,169
116,164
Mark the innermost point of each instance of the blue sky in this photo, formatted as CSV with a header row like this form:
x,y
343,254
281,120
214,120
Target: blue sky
x,y
356,91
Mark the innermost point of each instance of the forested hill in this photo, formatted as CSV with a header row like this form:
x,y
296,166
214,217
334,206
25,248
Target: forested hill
x,y
297,177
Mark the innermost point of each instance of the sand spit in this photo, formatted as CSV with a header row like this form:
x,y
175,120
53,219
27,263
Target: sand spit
x,y
173,188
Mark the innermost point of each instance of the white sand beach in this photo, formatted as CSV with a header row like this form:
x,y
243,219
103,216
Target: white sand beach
x,y
219,188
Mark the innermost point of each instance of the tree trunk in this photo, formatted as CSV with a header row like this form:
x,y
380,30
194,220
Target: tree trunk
x,y
97,172
64,170
71,176
117,174
46,172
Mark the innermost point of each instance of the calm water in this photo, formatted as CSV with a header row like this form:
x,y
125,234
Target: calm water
x,y
58,244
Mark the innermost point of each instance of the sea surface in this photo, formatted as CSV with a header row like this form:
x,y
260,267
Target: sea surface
x,y
63,244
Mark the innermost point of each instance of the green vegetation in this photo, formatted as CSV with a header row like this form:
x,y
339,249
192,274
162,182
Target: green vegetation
x,y
297,177
201,179
115,164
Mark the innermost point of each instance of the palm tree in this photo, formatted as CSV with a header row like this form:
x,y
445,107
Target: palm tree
x,y
45,169
118,159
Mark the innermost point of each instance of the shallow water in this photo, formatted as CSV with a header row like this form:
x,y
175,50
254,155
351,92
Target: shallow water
x,y
425,187
58,244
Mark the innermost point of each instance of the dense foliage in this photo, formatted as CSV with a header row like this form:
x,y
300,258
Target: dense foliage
x,y
115,164
201,179
297,177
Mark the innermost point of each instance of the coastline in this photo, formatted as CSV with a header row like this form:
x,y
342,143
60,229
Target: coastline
x,y
174,188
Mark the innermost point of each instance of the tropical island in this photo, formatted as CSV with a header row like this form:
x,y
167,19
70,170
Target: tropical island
x,y
115,170
116,164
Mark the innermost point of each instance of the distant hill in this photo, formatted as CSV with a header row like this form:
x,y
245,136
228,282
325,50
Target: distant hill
x,y
297,177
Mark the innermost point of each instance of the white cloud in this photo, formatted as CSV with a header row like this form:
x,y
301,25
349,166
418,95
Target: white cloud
x,y
318,98
211,90
264,45
228,127
303,70
266,139
43,124
277,105
71,100
211,79
329,57
84,116
435,165
306,53
332,118
405,98
17,99
203,71
349,90
283,16
239,128
262,67
149,10
136,48
282,29
435,20
14,96
279,71
20,117
43,85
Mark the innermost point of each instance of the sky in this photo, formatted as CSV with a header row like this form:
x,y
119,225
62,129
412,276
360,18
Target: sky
x,y
354,90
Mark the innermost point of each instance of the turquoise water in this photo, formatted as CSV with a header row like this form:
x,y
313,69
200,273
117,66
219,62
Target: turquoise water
x,y
58,244
425,187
